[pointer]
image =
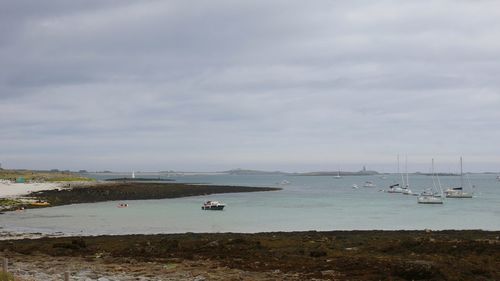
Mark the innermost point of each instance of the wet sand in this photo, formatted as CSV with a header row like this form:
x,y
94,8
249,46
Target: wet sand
x,y
336,255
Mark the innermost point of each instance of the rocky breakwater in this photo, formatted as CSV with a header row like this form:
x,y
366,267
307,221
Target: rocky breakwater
x,y
135,191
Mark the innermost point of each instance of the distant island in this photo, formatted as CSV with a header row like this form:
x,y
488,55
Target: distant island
x,y
340,173
252,172
239,171
139,179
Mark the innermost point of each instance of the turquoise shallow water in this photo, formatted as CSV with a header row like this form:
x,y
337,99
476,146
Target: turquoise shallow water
x,y
307,203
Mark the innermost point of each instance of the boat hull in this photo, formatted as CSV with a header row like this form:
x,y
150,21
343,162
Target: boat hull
x,y
213,208
430,200
458,195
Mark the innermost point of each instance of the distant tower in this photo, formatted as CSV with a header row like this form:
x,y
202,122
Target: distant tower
x,y
133,174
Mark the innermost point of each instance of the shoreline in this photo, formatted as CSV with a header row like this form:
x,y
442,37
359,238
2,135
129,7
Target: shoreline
x,y
77,193
338,255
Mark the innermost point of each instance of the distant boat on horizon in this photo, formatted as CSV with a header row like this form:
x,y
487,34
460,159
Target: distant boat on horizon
x,y
284,182
337,176
369,184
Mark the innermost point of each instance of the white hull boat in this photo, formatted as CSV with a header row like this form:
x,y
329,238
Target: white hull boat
x,y
369,184
458,192
213,205
429,198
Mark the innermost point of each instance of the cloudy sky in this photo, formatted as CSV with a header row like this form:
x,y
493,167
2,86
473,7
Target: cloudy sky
x,y
275,85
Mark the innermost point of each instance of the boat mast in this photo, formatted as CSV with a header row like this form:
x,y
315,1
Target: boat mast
x,y
461,174
437,176
439,181
406,170
433,174
402,178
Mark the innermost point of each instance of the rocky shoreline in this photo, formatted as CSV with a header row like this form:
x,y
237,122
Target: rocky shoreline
x,y
335,255
112,191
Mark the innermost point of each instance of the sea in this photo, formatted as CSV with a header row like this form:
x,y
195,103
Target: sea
x,y
306,203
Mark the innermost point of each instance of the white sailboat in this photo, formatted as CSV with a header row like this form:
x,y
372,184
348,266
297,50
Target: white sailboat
x,y
338,175
406,187
396,188
458,192
133,174
430,196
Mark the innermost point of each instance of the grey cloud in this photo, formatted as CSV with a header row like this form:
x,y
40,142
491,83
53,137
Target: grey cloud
x,y
219,84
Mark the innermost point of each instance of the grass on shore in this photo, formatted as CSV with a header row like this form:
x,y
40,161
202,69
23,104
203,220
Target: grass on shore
x,y
5,276
41,176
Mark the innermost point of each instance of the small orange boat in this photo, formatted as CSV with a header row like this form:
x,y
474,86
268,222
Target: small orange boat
x,y
40,203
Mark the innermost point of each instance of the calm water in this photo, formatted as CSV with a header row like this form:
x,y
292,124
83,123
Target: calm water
x,y
307,203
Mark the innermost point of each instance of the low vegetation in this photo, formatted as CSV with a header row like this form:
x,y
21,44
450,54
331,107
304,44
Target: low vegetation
x,y
41,176
335,255
4,276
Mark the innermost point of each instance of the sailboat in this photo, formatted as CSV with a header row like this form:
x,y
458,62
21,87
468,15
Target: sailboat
x,y
430,196
458,192
406,187
337,176
396,188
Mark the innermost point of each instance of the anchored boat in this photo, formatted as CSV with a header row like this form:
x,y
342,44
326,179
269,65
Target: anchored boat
x,y
213,205
430,196
458,192
369,184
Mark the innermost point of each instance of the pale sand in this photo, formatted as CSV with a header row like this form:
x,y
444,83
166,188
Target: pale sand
x,y
22,189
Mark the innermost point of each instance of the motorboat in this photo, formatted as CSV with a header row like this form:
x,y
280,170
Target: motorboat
x,y
284,182
369,184
355,186
213,205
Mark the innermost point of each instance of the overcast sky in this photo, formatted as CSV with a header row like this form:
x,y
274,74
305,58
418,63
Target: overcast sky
x,y
274,85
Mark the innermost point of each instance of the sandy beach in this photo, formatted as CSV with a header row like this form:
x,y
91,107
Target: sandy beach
x,y
12,190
